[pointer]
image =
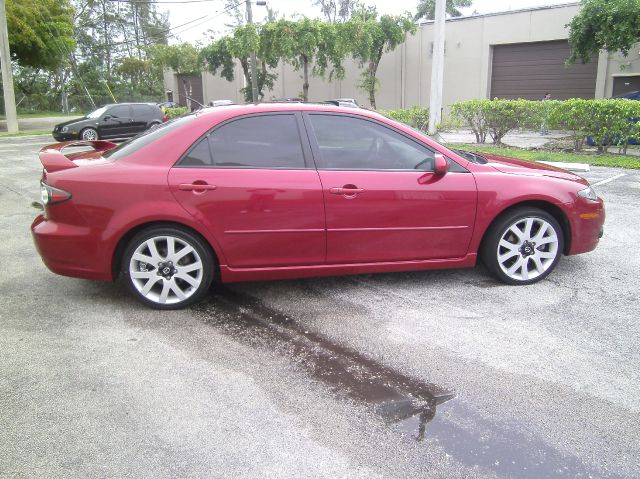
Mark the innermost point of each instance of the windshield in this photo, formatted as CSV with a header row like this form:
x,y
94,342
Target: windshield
x,y
97,113
147,137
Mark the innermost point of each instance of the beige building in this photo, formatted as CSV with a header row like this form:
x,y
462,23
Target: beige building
x,y
516,54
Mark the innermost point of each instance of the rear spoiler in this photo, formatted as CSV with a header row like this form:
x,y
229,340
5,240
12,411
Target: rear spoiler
x,y
53,160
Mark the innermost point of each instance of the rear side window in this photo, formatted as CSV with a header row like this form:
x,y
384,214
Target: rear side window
x,y
142,111
199,155
266,141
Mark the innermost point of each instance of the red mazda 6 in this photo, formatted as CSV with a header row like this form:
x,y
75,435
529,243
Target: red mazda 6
x,y
272,191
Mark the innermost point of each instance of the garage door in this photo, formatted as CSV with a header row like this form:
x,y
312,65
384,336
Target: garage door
x,y
622,85
529,70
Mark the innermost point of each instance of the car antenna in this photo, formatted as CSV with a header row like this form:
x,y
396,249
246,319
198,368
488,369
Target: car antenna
x,y
194,100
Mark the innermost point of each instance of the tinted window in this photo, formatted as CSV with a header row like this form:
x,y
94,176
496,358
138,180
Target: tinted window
x,y
357,144
199,155
121,111
268,141
149,136
142,111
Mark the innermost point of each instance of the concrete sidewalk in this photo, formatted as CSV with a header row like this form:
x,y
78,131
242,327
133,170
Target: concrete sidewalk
x,y
520,139
39,123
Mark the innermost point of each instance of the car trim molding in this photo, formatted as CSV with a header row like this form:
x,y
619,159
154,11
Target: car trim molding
x,y
241,232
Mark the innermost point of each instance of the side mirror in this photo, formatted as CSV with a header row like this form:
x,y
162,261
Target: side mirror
x,y
106,117
441,166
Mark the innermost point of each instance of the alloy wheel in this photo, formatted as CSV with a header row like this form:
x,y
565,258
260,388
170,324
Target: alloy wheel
x,y
166,270
89,134
527,248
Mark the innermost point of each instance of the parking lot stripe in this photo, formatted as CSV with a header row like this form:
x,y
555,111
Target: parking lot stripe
x,y
604,182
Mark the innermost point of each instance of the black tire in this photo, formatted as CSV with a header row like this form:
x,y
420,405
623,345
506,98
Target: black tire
x,y
174,281
542,255
92,132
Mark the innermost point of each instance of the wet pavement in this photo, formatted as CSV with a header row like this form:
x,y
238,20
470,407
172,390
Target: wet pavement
x,y
429,374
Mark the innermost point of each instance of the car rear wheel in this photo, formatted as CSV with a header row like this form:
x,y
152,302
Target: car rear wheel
x,y
167,268
523,246
89,134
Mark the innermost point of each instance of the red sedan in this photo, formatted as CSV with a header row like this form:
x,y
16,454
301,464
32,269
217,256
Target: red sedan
x,y
273,191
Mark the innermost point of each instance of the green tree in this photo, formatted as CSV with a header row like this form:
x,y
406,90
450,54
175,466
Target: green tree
x,y
336,11
221,55
369,39
40,32
312,46
427,8
181,58
611,25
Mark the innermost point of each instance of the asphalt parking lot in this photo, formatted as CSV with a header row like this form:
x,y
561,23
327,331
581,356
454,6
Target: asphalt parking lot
x,y
431,374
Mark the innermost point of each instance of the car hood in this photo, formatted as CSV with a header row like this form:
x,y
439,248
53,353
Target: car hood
x,y
71,122
514,166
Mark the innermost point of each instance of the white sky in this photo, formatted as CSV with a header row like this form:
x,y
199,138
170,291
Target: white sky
x,y
214,22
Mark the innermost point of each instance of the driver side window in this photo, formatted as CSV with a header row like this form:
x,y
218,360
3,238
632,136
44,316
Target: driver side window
x,y
349,143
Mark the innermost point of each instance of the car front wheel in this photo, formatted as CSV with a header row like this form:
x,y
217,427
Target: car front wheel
x,y
89,134
167,268
523,246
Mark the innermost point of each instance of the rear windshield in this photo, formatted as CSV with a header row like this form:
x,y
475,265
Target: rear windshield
x,y
147,137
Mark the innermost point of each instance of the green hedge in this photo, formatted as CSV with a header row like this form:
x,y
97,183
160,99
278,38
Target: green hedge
x,y
416,116
608,121
175,112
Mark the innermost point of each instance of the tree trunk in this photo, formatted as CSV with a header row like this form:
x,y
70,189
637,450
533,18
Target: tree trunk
x,y
305,77
107,49
373,70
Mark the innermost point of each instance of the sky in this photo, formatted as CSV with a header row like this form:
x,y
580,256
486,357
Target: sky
x,y
204,20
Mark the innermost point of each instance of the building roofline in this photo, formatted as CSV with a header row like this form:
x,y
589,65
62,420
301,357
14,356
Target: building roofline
x,y
508,12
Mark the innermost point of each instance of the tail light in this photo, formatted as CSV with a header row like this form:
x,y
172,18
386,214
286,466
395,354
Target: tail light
x,y
165,117
51,196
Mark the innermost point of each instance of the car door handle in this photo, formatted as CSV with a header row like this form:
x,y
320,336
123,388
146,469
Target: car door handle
x,y
196,186
347,190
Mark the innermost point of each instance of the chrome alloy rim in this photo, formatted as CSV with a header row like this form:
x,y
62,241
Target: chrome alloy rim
x,y
527,248
166,269
89,135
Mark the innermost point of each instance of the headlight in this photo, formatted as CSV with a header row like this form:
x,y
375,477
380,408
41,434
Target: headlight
x,y
589,194
65,129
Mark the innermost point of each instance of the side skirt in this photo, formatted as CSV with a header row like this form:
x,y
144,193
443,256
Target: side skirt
x,y
232,275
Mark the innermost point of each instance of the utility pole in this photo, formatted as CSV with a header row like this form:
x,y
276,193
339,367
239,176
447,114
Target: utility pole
x,y
254,67
437,67
7,75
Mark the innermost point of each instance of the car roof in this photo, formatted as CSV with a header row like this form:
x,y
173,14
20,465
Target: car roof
x,y
129,103
230,111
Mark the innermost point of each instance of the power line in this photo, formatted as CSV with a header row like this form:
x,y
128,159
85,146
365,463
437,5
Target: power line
x,y
55,41
203,19
161,1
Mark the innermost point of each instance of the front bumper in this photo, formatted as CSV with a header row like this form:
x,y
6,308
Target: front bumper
x,y
587,225
67,136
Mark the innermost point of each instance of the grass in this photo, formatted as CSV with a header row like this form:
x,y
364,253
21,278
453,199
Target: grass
x,y
26,133
595,159
42,114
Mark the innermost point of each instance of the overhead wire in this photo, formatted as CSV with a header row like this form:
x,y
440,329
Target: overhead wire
x,y
60,49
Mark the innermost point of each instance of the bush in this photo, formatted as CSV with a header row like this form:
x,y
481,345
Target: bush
x,y
416,116
175,112
607,121
498,117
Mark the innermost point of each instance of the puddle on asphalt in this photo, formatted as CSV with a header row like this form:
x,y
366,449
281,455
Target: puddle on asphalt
x,y
407,403
395,397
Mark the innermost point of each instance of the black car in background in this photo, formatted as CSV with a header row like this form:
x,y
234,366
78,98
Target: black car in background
x,y
119,120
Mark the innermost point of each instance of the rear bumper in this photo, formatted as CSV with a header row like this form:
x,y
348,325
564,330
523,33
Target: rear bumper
x,y
70,250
